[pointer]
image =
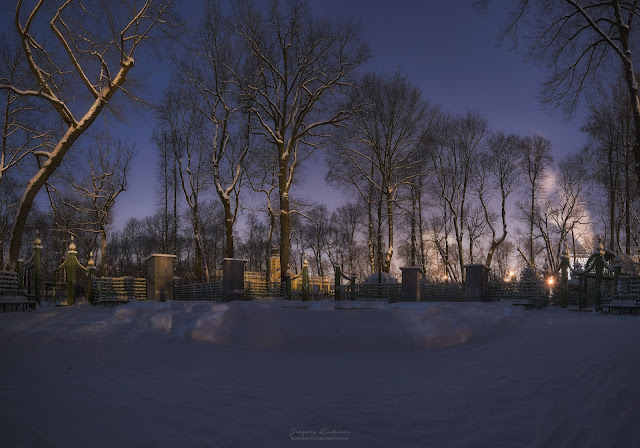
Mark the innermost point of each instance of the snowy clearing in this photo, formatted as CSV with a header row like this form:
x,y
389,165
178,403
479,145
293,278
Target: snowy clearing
x,y
317,374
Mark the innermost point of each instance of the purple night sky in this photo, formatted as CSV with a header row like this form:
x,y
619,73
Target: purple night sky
x,y
448,49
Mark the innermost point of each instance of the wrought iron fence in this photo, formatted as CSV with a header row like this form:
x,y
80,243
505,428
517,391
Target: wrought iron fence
x,y
441,291
263,290
198,291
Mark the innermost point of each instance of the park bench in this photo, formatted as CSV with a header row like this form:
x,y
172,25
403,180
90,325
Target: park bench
x,y
10,296
627,299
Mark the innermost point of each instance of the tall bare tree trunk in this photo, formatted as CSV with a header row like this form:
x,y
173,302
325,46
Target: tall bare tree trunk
x,y
387,264
285,217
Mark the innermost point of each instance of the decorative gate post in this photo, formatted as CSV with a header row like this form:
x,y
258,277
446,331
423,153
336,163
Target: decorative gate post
x,y
37,267
91,267
70,264
564,265
305,280
599,272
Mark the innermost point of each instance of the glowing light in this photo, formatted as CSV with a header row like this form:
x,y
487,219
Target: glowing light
x,y
445,277
550,281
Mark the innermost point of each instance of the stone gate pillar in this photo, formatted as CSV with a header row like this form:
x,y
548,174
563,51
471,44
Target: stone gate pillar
x,y
411,277
160,277
476,284
233,279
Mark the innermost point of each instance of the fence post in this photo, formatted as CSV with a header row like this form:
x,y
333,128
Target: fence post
x,y
70,269
91,266
37,267
564,265
599,271
353,287
305,280
617,271
20,269
287,286
336,293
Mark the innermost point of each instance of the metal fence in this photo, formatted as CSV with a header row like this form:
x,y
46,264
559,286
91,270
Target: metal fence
x,y
372,291
441,291
262,290
531,292
123,288
198,291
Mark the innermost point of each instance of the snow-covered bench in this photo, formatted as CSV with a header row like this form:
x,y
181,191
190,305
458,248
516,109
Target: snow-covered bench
x,y
628,297
10,296
631,304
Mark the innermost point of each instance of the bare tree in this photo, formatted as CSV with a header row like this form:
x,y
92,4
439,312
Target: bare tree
x,y
497,170
536,159
181,125
89,190
299,65
582,41
565,208
211,67
383,140
452,160
75,73
610,130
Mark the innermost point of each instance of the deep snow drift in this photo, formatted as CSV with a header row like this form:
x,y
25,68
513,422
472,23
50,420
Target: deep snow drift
x,y
316,325
317,374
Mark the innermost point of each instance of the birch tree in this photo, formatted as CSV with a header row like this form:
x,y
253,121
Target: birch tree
x,y
74,72
299,66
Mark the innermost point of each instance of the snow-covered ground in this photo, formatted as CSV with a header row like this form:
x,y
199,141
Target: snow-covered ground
x,y
272,374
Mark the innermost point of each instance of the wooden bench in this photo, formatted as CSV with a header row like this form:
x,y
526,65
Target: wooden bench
x,y
10,296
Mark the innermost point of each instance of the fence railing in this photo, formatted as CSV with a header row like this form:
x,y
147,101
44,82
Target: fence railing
x,y
198,291
122,288
263,290
372,291
532,292
441,291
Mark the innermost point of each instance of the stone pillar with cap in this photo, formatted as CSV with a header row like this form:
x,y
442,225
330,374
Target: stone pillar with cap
x,y
91,267
37,267
476,285
159,277
411,278
565,264
233,279
70,265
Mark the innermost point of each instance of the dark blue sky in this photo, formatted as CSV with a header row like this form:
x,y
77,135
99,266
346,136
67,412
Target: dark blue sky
x,y
447,48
